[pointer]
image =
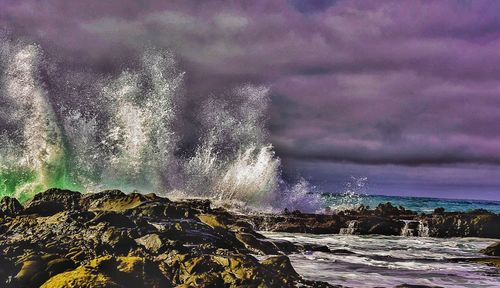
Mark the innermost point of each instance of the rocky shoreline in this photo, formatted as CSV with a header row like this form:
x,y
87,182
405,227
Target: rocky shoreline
x,y
62,238
387,220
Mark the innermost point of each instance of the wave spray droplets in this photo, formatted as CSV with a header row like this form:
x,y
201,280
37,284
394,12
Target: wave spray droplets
x,y
35,156
129,140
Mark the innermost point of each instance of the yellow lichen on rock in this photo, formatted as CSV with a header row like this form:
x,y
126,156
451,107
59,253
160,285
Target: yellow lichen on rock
x,y
111,239
212,221
81,277
114,201
130,265
106,271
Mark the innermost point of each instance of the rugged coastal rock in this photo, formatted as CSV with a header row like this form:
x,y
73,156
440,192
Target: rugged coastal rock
x,y
62,238
492,250
385,219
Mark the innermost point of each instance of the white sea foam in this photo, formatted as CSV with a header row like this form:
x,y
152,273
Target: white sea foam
x,y
388,261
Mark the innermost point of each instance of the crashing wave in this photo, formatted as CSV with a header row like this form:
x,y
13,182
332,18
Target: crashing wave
x,y
129,140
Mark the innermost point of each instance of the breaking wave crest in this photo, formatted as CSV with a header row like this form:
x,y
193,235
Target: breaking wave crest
x,y
122,134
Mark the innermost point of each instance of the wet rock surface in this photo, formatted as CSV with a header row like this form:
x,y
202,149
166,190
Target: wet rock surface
x,y
492,250
10,206
111,239
62,238
385,219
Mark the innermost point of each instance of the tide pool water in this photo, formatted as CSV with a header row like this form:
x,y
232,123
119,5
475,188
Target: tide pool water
x,y
388,261
419,204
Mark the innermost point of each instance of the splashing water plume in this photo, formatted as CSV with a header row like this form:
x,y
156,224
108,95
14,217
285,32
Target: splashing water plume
x,y
42,156
124,136
352,196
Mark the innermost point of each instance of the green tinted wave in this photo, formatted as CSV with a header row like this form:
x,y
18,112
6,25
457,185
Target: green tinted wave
x,y
24,182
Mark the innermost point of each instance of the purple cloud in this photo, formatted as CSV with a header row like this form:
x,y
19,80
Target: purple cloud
x,y
370,82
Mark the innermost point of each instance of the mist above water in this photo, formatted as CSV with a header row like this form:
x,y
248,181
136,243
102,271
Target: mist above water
x,y
122,135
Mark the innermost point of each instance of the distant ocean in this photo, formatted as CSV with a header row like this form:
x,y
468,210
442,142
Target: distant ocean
x,y
419,204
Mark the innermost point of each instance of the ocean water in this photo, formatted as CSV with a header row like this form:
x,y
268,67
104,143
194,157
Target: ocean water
x,y
387,261
342,201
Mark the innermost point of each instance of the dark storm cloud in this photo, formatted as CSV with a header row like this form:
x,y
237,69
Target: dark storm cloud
x,y
403,82
463,181
306,6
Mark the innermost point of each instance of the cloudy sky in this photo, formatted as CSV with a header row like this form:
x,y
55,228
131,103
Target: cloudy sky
x,y
406,93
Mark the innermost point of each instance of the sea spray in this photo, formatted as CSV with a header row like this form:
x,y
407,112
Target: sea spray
x,y
140,141
351,197
300,196
234,161
123,135
42,160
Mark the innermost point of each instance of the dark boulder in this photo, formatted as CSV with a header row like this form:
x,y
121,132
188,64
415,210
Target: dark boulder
x,y
113,219
258,246
492,250
36,269
115,200
438,211
10,206
52,201
117,241
379,225
486,225
200,205
282,264
112,272
303,223
7,269
464,225
316,248
152,242
480,211
387,209
386,227
151,209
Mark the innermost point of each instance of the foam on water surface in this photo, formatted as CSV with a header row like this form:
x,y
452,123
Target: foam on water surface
x,y
387,261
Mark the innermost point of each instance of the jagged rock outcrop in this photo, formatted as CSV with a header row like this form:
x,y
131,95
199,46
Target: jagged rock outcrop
x,y
10,207
385,219
492,250
62,238
298,223
51,202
